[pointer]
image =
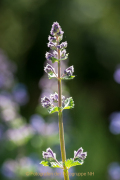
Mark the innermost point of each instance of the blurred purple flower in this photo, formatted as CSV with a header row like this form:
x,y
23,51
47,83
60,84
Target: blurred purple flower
x,y
20,94
115,123
114,171
37,123
116,74
9,169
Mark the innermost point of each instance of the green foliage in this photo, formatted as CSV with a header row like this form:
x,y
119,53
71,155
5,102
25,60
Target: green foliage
x,y
70,162
67,77
51,164
53,109
69,103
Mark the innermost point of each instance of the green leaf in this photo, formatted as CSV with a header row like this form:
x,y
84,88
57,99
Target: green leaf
x,y
67,77
51,164
53,109
69,103
70,162
51,75
45,163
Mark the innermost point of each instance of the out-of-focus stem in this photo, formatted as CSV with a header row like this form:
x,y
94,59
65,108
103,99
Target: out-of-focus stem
x,y
60,118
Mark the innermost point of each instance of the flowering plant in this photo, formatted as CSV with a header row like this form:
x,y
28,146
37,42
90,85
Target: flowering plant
x,y
58,54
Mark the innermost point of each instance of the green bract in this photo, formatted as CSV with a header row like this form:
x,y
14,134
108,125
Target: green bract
x,y
53,109
51,75
69,103
67,77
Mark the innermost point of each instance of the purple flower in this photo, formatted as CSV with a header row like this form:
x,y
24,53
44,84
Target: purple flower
x,y
55,53
52,39
69,71
49,56
54,97
62,45
63,53
80,154
49,154
52,46
49,69
56,29
46,103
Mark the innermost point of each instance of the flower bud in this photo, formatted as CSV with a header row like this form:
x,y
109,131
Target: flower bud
x,y
52,39
46,103
80,154
52,46
49,69
69,71
49,56
62,45
63,53
49,154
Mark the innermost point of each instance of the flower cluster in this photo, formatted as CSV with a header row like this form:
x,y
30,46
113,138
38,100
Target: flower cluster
x,y
80,154
54,97
48,103
53,44
56,30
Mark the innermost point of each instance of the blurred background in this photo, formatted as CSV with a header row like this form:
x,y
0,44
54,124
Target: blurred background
x,y
92,30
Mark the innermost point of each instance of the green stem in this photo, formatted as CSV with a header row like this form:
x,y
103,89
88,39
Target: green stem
x,y
60,118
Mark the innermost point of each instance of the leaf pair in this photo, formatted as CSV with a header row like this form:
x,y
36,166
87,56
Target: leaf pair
x,y
68,163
